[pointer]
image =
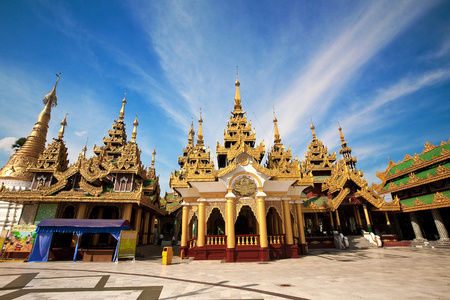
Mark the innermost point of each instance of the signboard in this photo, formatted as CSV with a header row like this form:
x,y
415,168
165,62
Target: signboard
x,y
127,247
2,238
21,238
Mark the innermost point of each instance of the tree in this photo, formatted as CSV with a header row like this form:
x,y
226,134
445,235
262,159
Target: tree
x,y
18,144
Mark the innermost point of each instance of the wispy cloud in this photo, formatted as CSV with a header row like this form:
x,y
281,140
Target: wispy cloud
x,y
364,35
366,116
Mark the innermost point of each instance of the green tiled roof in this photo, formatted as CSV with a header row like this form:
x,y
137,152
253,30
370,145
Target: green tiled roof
x,y
427,199
317,200
426,156
148,182
421,175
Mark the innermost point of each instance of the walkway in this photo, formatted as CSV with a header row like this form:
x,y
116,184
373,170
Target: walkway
x,y
386,273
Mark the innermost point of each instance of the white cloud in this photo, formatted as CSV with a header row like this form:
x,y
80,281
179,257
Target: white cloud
x,y
6,143
80,133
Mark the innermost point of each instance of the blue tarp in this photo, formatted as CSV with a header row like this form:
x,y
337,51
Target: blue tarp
x,y
47,227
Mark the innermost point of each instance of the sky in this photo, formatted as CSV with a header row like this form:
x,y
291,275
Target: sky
x,y
380,69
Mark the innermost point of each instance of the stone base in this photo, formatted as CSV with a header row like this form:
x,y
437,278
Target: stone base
x,y
230,255
291,251
183,251
302,249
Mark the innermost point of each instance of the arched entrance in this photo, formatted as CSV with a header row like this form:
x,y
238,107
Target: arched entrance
x,y
246,222
274,222
216,223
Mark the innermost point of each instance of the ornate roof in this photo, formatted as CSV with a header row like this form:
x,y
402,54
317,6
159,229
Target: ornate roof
x,y
318,161
411,171
281,160
238,136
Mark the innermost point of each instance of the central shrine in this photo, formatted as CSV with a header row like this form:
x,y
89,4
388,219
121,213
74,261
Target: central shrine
x,y
241,211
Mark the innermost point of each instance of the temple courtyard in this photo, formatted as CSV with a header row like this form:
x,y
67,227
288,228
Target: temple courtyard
x,y
382,273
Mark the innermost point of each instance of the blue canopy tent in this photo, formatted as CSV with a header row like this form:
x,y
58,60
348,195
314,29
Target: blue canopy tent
x,y
47,227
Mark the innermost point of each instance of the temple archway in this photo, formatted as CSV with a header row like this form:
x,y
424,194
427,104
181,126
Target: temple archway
x,y
193,227
216,223
246,222
274,222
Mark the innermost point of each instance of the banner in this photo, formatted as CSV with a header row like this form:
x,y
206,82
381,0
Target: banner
x,y
21,238
127,246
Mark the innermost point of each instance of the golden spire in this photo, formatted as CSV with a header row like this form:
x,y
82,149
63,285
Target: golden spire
x,y
313,132
237,97
63,126
200,130
85,148
277,133
191,134
341,135
134,133
34,145
122,110
153,157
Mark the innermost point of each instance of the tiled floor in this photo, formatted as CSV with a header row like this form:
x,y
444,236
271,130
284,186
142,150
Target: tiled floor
x,y
384,273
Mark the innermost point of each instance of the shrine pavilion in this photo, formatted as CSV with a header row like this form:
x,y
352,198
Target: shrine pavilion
x,y
114,184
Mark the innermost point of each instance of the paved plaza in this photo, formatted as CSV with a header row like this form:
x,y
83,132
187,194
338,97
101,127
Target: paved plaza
x,y
383,273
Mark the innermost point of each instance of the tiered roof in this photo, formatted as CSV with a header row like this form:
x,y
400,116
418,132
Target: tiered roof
x,y
238,137
195,162
318,162
281,160
421,181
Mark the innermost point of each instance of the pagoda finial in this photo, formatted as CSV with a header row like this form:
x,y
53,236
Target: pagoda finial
x,y
153,157
237,97
134,133
277,133
85,147
51,97
341,134
191,134
122,110
200,130
63,126
313,132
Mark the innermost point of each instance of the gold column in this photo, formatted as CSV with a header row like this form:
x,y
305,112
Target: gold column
x,y
126,215
201,222
81,212
146,222
185,225
387,222
137,224
357,216
152,229
260,196
366,214
338,221
184,230
301,227
287,222
231,238
331,220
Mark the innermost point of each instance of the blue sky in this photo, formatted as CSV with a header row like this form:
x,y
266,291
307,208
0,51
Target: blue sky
x,y
379,68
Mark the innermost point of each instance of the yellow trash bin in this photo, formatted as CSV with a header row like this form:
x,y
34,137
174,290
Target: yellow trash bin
x,y
167,256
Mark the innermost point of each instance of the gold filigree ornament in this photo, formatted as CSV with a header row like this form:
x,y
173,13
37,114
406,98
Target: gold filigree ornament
x,y
244,187
243,160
